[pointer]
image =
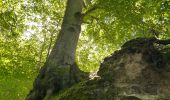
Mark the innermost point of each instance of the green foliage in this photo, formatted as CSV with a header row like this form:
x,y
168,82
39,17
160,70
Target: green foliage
x,y
27,34
113,22
13,88
131,18
28,29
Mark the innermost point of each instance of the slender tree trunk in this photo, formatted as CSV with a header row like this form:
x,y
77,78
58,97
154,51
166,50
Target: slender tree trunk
x,y
50,44
60,70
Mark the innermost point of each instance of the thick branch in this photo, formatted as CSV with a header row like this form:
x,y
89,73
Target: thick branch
x,y
164,42
89,11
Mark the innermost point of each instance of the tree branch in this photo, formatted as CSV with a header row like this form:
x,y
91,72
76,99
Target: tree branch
x,y
89,11
164,42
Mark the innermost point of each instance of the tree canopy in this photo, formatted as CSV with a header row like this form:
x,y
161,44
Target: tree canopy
x,y
28,30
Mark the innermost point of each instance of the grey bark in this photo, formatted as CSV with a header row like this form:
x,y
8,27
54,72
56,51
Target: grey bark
x,y
60,70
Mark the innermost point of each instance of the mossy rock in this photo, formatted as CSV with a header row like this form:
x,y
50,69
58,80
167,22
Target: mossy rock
x,y
88,90
139,71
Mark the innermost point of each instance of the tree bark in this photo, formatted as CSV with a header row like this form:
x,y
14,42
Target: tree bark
x,y
60,70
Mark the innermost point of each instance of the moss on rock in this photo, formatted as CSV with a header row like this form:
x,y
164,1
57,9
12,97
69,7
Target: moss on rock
x,y
139,71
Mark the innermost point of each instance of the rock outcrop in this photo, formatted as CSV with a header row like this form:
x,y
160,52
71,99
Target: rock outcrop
x,y
139,71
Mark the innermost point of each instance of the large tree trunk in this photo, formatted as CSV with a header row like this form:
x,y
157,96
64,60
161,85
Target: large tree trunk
x,y
60,70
